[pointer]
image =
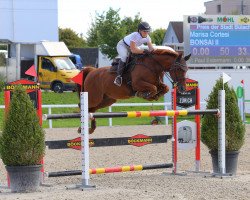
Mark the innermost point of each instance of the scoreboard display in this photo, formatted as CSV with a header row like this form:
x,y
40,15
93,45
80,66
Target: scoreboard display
x,y
215,40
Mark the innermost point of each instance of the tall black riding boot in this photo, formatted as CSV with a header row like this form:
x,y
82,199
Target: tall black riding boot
x,y
118,79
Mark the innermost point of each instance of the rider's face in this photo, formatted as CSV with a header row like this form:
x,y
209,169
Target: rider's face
x,y
144,33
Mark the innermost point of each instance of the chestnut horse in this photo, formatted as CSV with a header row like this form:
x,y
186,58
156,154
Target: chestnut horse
x,y
146,79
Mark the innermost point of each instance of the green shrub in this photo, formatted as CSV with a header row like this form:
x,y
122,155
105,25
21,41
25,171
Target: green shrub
x,y
1,83
235,128
2,59
22,138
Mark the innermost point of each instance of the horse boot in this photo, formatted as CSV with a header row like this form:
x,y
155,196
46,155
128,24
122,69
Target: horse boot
x,y
118,79
144,95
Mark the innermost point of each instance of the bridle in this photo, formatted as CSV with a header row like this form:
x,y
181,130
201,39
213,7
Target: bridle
x,y
177,66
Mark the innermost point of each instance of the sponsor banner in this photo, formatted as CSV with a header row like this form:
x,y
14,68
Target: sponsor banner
x,y
27,85
140,140
187,98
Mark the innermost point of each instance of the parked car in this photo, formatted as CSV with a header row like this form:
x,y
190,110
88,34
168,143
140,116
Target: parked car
x,y
77,60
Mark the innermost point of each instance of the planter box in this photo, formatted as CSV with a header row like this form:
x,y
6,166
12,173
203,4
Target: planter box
x,y
231,161
24,178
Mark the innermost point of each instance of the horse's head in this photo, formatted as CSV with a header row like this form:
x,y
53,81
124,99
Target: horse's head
x,y
178,72
175,64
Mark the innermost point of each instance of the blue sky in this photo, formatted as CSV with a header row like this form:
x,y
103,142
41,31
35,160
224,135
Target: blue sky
x,y
78,14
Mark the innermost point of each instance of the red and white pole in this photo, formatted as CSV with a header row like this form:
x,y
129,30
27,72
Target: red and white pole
x,y
174,132
198,132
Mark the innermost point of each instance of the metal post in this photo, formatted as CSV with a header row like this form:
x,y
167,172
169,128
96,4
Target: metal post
x,y
174,132
85,140
18,61
50,120
110,119
244,108
166,108
198,132
221,132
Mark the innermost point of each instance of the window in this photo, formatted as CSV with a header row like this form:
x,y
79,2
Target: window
x,y
46,64
63,63
73,59
218,8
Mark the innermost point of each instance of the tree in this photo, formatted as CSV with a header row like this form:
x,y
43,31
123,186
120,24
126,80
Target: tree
x,y
71,38
108,28
130,24
2,80
157,36
92,33
235,128
3,47
107,31
22,140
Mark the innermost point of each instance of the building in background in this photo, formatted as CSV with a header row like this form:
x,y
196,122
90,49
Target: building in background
x,y
174,36
23,23
92,56
227,7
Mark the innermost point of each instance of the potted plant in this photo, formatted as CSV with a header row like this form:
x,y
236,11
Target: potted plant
x,y
234,130
22,143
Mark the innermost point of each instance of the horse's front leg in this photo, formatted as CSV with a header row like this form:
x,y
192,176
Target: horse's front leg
x,y
91,128
145,90
162,89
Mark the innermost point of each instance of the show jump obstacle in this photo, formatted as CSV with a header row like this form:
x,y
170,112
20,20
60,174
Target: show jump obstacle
x,y
84,115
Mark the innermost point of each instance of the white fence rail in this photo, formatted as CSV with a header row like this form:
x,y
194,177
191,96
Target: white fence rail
x,y
167,105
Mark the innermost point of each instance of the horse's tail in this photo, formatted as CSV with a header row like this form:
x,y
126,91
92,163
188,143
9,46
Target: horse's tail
x,y
85,72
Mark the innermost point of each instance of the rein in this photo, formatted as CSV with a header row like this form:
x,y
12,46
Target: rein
x,y
177,65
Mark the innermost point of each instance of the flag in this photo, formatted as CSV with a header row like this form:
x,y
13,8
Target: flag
x,y
78,78
31,71
225,78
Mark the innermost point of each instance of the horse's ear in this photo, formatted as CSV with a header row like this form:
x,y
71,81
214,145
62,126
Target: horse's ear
x,y
178,59
179,53
187,57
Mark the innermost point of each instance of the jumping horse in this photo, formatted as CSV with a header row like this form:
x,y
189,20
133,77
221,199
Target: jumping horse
x,y
144,78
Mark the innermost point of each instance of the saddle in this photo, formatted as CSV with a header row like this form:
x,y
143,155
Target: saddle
x,y
129,66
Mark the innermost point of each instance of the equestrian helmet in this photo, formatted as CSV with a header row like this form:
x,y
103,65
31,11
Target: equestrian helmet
x,y
144,26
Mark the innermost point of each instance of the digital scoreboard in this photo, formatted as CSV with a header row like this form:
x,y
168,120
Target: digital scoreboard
x,y
215,40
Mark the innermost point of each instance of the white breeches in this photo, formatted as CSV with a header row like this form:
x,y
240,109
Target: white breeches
x,y
123,50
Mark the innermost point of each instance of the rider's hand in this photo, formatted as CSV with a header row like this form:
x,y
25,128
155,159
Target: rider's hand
x,y
146,51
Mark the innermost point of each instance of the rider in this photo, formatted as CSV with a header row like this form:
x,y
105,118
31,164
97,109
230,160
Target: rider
x,y
131,43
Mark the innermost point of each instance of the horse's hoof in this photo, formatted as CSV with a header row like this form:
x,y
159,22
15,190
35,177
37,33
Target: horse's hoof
x,y
91,130
79,130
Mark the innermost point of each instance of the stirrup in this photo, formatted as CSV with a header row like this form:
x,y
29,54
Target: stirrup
x,y
118,81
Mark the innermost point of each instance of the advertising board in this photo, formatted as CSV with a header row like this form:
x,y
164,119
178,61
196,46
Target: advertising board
x,y
216,40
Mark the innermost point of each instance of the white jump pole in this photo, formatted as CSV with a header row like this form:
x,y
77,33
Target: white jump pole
x,y
221,132
85,141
